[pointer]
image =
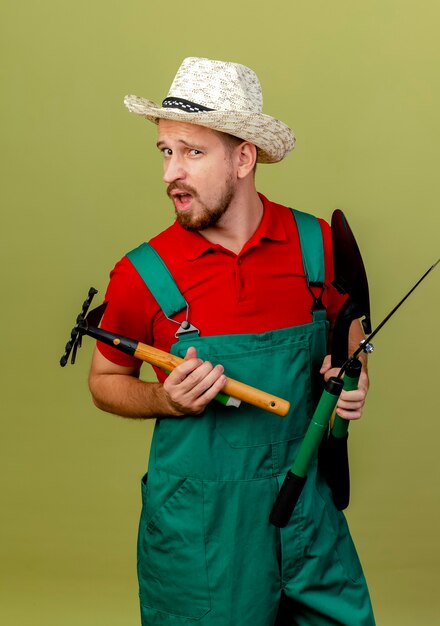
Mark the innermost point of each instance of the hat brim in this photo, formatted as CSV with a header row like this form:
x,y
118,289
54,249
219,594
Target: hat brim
x,y
273,139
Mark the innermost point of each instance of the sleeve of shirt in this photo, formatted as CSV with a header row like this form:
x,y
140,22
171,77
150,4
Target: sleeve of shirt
x,y
335,300
129,312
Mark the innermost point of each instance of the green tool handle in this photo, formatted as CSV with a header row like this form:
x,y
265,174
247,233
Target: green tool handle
x,y
336,451
351,380
297,475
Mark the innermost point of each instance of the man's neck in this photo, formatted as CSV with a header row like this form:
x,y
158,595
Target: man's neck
x,y
238,224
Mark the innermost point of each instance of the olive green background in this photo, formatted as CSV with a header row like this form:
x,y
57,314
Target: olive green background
x,y
81,184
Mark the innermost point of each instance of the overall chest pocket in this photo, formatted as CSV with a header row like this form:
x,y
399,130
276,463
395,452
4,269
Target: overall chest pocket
x,y
283,371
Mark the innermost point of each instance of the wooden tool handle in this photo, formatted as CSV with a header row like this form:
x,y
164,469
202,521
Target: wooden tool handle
x,y
234,388
157,357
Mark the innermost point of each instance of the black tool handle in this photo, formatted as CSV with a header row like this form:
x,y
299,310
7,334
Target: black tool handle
x,y
336,454
287,498
338,470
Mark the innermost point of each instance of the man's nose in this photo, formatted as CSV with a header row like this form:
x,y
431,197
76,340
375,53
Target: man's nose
x,y
173,170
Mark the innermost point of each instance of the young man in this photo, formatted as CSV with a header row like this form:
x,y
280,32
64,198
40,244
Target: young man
x,y
226,288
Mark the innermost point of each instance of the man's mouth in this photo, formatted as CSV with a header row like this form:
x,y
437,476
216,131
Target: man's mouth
x,y
182,200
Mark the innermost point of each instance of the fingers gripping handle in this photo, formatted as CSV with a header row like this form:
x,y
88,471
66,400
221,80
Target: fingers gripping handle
x,y
351,380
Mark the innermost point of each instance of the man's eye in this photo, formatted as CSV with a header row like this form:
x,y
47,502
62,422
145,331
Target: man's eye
x,y
167,151
194,152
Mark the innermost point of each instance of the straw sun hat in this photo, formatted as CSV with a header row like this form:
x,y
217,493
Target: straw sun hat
x,y
225,97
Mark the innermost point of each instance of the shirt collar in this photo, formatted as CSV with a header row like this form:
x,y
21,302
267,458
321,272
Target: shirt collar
x,y
271,226
193,245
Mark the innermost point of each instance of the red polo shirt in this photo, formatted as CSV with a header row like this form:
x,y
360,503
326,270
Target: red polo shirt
x,y
260,289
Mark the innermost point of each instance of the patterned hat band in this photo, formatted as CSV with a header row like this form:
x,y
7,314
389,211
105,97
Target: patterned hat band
x,y
184,105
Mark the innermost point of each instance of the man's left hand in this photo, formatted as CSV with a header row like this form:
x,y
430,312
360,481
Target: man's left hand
x,y
351,403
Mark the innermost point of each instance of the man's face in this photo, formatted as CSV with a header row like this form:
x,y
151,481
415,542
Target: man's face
x,y
199,173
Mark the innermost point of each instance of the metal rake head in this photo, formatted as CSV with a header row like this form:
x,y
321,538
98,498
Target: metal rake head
x,y
78,330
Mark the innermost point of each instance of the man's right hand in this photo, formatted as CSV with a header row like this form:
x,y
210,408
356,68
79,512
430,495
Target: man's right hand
x,y
186,391
192,385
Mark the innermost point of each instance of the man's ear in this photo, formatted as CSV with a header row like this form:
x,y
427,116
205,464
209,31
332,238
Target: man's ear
x,y
246,159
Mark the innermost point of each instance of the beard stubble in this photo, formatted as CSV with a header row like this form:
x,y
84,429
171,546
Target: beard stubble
x,y
206,217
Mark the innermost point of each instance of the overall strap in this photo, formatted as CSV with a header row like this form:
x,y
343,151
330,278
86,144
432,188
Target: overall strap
x,y
312,250
158,279
161,284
